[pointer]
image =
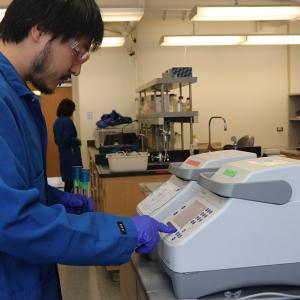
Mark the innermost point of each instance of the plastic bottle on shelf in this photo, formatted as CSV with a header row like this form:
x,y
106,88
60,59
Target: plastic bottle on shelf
x,y
188,104
180,104
157,103
172,102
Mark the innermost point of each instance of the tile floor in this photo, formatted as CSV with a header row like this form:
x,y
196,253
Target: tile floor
x,y
87,283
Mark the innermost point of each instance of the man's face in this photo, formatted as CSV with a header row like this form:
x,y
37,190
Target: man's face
x,y
55,63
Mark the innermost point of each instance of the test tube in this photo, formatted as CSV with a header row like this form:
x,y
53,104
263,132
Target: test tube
x,y
85,182
76,171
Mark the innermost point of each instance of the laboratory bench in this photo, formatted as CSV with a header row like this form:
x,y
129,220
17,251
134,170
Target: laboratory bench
x,y
291,153
119,193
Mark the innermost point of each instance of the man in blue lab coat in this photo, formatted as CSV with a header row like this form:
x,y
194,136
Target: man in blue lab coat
x,y
45,42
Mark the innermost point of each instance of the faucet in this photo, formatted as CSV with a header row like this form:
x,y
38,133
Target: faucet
x,y
234,140
163,157
166,139
210,148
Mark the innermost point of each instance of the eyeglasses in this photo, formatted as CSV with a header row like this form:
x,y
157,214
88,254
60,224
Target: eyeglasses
x,y
80,54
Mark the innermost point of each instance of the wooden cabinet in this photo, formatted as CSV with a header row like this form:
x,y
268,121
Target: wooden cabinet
x,y
95,186
121,195
130,284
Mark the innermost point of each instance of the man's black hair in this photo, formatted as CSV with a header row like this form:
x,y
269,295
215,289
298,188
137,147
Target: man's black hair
x,y
65,108
64,19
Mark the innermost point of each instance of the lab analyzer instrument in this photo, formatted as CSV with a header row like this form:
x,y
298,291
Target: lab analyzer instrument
x,y
240,229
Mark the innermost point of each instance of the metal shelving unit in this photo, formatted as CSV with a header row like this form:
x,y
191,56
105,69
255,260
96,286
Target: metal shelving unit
x,y
165,118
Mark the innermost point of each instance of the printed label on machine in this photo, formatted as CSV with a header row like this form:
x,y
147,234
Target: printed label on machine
x,y
162,195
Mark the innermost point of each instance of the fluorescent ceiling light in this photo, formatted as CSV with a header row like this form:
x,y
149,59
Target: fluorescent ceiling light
x,y
244,13
121,14
113,41
219,40
201,40
272,40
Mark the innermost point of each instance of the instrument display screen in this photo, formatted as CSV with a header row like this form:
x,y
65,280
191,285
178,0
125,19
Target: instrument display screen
x,y
189,213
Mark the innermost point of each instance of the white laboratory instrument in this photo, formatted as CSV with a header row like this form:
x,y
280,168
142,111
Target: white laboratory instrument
x,y
183,184
241,229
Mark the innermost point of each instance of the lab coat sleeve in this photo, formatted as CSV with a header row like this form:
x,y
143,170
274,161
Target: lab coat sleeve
x,y
38,234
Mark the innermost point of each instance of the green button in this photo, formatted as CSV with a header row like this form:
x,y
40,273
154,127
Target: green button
x,y
230,172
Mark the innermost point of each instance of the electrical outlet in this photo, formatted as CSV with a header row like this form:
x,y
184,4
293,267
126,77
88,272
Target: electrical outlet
x,y
279,129
89,115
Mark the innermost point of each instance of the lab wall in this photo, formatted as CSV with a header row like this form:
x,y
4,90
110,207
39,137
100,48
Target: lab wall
x,y
248,85
106,82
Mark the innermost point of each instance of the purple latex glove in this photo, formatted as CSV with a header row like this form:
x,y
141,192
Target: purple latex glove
x,y
77,203
88,203
148,232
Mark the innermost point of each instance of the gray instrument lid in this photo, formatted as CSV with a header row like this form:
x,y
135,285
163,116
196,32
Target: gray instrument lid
x,y
273,192
188,174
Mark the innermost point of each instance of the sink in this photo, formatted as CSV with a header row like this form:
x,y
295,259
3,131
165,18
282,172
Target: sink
x,y
174,156
157,166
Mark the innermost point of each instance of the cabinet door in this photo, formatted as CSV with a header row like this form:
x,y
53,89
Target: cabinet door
x,y
100,194
140,292
49,105
95,187
122,194
128,280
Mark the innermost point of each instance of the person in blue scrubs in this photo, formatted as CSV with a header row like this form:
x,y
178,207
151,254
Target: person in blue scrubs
x,y
45,42
65,137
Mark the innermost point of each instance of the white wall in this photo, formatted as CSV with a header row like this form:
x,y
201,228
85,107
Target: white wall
x,y
248,85
106,82
245,84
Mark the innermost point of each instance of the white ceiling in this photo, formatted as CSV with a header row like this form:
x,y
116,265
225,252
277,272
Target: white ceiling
x,y
177,4
152,4
174,8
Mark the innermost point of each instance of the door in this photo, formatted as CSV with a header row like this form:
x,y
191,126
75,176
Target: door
x,y
49,105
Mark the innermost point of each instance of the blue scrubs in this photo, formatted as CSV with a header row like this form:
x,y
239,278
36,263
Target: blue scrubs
x,y
65,136
35,231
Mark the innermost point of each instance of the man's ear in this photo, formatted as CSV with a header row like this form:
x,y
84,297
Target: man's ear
x,y
36,34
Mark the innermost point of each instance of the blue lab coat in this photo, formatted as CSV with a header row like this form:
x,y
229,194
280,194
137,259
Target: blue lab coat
x,y
35,231
65,136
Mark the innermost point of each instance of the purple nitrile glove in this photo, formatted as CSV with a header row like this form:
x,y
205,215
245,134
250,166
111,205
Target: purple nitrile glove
x,y
88,203
77,203
148,232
